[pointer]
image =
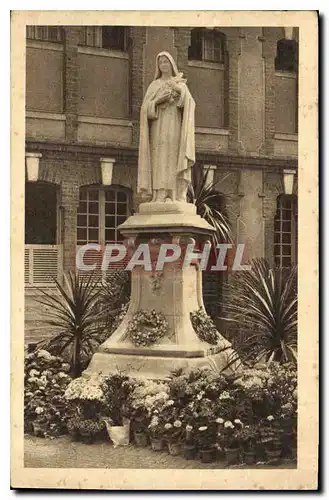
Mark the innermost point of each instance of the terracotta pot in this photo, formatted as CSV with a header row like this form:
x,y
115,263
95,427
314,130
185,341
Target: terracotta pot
x,y
232,455
274,455
39,429
174,449
87,439
157,444
189,451
249,457
75,435
28,427
140,439
207,456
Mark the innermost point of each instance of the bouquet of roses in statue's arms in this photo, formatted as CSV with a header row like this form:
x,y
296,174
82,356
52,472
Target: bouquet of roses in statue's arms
x,y
171,89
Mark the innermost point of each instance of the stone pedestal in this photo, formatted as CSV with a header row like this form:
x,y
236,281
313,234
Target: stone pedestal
x,y
175,292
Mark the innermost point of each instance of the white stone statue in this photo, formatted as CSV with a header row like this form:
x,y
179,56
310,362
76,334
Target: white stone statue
x,y
166,147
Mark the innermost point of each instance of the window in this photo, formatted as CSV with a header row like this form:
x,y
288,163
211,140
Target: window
x,y
286,56
106,37
40,213
285,231
207,45
100,212
45,33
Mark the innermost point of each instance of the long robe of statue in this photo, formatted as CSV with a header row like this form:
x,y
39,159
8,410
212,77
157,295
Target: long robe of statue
x,y
167,146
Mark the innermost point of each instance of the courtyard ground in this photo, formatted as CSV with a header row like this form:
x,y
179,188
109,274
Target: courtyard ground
x,y
64,453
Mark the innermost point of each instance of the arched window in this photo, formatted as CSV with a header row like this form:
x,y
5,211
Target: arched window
x,y
101,210
287,55
106,37
285,231
206,45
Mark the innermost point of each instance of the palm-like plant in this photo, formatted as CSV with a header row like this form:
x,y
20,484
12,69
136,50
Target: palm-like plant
x,y
208,202
73,311
264,302
114,294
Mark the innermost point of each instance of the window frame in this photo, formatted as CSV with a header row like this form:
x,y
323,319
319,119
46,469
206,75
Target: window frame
x,y
294,51
102,190
204,34
293,243
33,33
93,37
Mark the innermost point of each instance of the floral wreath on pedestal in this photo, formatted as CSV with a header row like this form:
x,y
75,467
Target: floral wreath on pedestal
x,y
146,327
204,326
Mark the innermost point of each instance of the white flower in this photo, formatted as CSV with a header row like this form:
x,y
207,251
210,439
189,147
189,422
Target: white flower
x,y
168,426
225,395
170,402
33,373
39,410
238,421
219,420
189,427
270,418
177,423
203,428
228,423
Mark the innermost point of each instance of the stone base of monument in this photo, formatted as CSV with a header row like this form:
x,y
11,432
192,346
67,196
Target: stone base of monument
x,y
155,367
175,292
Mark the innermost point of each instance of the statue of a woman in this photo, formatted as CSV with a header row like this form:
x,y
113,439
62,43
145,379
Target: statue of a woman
x,y
166,147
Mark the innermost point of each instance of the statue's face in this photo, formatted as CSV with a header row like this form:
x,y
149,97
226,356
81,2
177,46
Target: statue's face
x,y
165,65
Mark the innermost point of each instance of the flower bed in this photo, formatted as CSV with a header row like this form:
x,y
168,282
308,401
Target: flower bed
x,y
46,411
247,417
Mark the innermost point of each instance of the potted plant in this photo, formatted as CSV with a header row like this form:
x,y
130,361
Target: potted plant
x,y
89,429
156,436
189,446
117,389
139,424
206,437
40,426
270,438
174,435
248,437
230,442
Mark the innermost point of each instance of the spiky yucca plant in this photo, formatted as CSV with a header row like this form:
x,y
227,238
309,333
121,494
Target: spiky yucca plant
x,y
114,294
73,312
263,301
208,202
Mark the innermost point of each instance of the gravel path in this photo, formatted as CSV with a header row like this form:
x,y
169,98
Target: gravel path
x,y
64,453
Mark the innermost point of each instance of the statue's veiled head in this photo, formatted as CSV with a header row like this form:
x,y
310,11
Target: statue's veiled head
x,y
165,64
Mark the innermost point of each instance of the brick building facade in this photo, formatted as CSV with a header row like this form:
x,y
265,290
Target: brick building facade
x,y
84,89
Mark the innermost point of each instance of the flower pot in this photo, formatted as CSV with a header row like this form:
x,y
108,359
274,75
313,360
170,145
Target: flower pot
x,y
207,456
28,427
273,455
249,457
118,434
232,456
189,451
39,429
75,435
87,439
157,444
174,449
140,439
